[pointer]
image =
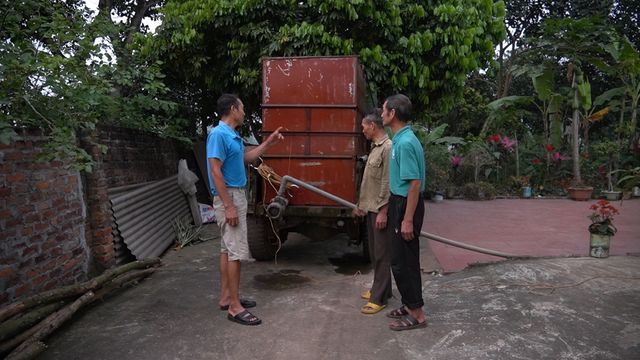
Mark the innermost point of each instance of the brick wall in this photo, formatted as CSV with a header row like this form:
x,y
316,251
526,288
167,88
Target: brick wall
x,y
132,157
42,228
55,223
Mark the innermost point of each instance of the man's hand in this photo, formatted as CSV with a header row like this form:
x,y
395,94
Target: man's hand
x,y
231,215
406,230
358,212
381,220
275,137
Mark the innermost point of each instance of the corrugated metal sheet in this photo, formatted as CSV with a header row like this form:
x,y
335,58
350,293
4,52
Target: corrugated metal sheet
x,y
143,216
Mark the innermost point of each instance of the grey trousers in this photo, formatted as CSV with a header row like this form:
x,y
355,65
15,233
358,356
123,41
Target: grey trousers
x,y
380,252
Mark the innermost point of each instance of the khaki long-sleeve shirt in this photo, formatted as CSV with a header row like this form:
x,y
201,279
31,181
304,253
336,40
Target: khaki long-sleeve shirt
x,y
374,189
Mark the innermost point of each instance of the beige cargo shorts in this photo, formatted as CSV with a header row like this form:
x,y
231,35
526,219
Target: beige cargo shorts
x,y
233,238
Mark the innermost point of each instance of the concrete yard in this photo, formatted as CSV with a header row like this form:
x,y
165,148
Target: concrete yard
x,y
546,308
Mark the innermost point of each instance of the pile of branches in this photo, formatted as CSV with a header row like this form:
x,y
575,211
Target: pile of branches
x,y
24,324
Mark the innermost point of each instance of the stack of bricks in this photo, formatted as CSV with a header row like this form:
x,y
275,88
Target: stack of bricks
x,y
42,221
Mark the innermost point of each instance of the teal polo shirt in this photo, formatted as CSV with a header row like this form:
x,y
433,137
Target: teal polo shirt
x,y
406,162
225,144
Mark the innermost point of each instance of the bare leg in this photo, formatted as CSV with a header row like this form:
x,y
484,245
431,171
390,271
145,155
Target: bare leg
x,y
225,297
233,281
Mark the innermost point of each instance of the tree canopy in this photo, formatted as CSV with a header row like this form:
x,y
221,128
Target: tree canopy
x,y
423,49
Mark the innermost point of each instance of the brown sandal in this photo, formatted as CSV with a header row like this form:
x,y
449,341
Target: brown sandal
x,y
398,313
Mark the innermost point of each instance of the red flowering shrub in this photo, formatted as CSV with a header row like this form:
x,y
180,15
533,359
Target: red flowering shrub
x,y
602,218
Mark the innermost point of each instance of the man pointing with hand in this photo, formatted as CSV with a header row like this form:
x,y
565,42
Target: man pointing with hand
x,y
226,159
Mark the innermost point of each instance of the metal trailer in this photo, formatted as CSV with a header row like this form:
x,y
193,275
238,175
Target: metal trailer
x,y
319,102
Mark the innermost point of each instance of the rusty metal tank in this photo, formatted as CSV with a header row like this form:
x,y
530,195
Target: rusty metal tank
x,y
320,102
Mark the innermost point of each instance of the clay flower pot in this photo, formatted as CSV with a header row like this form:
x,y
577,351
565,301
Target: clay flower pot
x,y
582,193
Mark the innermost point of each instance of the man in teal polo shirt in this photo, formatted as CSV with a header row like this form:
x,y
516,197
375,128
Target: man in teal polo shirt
x,y
406,212
226,158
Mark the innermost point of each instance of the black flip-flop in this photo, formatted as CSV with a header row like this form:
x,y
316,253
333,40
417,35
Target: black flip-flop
x,y
407,322
245,318
246,303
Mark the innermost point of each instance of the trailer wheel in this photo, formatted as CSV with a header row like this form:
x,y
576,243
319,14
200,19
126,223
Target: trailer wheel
x,y
263,244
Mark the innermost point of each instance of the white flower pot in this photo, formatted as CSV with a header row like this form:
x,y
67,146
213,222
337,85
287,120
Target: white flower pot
x,y
599,245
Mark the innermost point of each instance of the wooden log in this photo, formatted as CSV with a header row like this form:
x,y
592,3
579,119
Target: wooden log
x,y
51,323
121,281
12,343
11,328
31,351
114,284
72,290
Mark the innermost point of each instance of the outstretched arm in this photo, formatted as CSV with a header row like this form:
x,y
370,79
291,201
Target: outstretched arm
x,y
253,154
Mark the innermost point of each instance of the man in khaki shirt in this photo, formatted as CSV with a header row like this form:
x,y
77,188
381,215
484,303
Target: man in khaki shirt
x,y
374,197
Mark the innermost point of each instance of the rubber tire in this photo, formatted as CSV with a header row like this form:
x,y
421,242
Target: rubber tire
x,y
262,243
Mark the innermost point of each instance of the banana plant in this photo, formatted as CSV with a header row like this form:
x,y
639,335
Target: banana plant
x,y
626,67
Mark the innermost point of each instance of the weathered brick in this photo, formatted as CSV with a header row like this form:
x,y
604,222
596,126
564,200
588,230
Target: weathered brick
x,y
39,227
58,202
43,205
26,231
42,185
7,260
51,243
22,289
32,218
29,250
25,209
21,188
12,222
15,177
51,285
13,156
7,273
5,191
39,280
70,264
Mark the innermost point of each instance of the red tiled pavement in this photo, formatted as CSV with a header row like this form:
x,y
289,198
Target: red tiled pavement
x,y
536,227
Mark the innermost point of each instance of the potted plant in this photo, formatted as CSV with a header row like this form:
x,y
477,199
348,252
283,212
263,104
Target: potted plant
x,y
601,229
630,180
522,182
604,151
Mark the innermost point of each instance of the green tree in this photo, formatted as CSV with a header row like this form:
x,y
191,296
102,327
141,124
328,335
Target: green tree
x,y
422,49
56,76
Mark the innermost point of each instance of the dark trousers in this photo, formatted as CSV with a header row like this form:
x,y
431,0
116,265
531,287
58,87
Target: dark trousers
x,y
405,258
380,252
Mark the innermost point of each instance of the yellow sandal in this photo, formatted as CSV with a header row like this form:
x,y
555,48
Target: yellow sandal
x,y
366,295
371,308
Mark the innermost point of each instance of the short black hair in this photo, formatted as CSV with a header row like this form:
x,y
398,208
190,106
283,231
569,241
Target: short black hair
x,y
401,104
225,102
375,117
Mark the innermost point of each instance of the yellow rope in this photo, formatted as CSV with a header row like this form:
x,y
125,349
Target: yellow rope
x,y
272,177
